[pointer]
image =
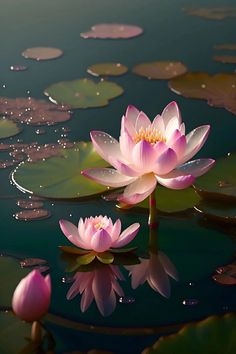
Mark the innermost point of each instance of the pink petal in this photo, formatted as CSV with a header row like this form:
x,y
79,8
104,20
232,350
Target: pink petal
x,y
159,148
127,236
168,265
71,232
107,176
173,137
115,232
125,169
171,127
165,163
117,288
171,111
179,146
142,122
86,299
128,121
176,180
101,241
197,167
81,227
182,128
139,190
105,145
138,272
126,145
158,124
144,155
157,277
102,289
195,140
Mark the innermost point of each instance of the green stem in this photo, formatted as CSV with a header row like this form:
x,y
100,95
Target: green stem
x,y
152,220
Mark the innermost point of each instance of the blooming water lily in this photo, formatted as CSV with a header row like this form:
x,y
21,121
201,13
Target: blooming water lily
x,y
149,153
31,297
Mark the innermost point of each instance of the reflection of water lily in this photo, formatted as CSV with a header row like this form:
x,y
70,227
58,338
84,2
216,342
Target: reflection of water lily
x,y
101,284
155,271
148,153
98,233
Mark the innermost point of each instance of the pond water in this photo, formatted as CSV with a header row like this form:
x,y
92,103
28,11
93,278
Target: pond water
x,y
195,246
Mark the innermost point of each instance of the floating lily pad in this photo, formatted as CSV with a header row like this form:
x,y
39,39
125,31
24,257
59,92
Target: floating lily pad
x,y
83,93
162,70
42,53
219,90
225,275
214,335
220,181
11,274
213,210
13,334
227,59
8,128
227,46
112,31
212,13
60,176
170,201
107,69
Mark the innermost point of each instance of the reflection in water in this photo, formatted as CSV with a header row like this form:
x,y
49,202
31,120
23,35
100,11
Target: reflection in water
x,y
100,284
155,271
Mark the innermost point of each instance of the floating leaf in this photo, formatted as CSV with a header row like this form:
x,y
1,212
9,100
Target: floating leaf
x,y
227,59
11,274
42,53
212,13
112,31
219,90
214,335
226,275
32,111
105,257
220,181
107,69
170,200
73,250
13,334
8,128
226,46
213,210
86,258
161,70
60,177
83,93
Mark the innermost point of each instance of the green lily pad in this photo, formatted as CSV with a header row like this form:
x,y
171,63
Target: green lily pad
x,y
10,275
13,332
171,201
213,210
8,128
83,93
60,176
214,335
107,69
220,181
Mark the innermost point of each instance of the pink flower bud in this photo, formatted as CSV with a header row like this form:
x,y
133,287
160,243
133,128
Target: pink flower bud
x,y
31,297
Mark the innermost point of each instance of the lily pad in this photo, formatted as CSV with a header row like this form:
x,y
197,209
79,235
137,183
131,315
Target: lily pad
x,y
8,128
213,210
60,176
219,90
112,31
83,93
42,53
107,69
11,274
220,181
212,13
162,70
227,59
13,334
214,335
170,201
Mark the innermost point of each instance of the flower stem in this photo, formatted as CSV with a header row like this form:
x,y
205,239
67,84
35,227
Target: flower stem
x,y
152,220
36,332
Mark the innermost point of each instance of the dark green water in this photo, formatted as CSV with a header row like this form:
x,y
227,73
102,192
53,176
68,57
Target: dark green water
x,y
169,34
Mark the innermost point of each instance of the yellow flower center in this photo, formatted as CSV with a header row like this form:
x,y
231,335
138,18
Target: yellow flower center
x,y
149,134
99,226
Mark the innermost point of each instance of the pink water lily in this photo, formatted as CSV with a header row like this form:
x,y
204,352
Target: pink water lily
x,y
149,153
31,297
98,233
155,272
101,285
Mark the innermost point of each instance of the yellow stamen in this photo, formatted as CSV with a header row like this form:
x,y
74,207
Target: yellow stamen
x,y
99,226
151,135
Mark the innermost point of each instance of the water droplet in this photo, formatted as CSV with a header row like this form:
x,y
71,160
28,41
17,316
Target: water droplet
x,y
126,300
190,302
67,279
18,67
40,131
191,283
31,262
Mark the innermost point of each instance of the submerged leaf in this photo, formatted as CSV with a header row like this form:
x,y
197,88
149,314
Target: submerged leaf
x,y
107,69
60,176
227,59
112,31
42,53
212,13
83,93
